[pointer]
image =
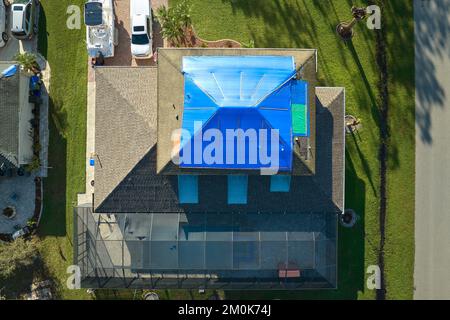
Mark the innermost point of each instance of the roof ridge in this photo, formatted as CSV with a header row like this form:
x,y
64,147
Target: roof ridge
x,y
282,84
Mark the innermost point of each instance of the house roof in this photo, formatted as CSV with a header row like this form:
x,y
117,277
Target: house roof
x,y
126,178
9,118
162,235
330,137
125,124
171,89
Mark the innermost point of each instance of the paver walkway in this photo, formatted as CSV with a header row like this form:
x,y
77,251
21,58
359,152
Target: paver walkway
x,y
17,192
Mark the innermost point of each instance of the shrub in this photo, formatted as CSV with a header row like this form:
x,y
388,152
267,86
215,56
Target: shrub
x,y
174,21
16,255
27,60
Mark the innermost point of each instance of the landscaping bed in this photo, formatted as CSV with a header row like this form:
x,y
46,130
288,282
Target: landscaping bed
x,y
192,40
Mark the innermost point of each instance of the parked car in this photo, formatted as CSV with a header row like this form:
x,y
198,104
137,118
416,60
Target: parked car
x,y
3,22
141,29
23,18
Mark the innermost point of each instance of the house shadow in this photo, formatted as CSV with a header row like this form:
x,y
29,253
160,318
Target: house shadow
x,y
43,33
350,244
122,52
53,216
351,253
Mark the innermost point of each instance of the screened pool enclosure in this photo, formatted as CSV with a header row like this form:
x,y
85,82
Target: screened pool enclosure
x,y
229,251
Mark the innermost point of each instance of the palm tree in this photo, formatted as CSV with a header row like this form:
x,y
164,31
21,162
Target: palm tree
x,y
345,29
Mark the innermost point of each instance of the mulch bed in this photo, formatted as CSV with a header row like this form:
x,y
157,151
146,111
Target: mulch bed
x,y
191,40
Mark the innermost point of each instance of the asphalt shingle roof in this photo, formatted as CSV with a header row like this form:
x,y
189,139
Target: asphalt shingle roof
x,y
125,124
141,190
126,178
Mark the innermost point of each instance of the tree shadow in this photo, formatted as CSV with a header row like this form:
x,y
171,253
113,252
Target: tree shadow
x,y
432,31
20,283
365,164
367,86
43,33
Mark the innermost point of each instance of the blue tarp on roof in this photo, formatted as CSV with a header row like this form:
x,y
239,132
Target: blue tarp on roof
x,y
10,71
238,81
237,92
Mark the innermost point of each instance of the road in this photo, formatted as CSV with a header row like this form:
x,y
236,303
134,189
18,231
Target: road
x,y
432,215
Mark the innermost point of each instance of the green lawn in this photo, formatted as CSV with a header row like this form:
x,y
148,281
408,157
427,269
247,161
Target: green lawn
x,y
289,23
311,24
399,246
67,56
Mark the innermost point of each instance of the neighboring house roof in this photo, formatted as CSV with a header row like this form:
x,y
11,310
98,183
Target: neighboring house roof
x,y
9,118
171,89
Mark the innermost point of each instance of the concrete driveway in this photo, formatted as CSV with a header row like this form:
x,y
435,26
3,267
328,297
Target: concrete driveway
x,y
432,223
13,46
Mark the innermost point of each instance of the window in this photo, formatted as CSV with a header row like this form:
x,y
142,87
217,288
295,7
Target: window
x,y
139,39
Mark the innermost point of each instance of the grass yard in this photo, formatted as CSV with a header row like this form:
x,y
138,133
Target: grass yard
x,y
67,56
311,24
289,23
399,248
